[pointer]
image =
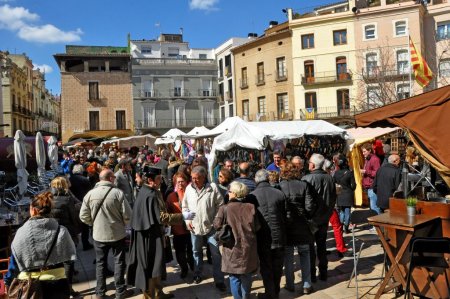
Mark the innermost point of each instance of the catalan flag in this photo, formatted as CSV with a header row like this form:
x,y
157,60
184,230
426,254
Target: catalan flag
x,y
422,71
310,113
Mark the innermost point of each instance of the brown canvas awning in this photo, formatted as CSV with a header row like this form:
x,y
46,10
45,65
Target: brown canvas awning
x,y
426,117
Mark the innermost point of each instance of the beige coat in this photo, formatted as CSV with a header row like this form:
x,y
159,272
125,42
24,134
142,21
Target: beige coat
x,y
115,213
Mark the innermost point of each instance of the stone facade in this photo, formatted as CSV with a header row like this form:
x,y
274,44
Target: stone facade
x,y
264,76
96,92
173,85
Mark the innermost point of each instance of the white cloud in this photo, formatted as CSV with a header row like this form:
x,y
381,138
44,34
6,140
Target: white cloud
x,y
48,34
22,21
203,4
44,68
13,18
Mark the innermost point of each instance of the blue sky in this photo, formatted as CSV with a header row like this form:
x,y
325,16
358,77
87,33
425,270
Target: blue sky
x,y
43,28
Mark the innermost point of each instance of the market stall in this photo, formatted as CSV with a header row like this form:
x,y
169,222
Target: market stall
x,y
425,118
361,136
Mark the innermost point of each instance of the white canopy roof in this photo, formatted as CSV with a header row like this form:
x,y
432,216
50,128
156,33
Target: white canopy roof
x,y
362,135
170,136
276,130
198,131
131,141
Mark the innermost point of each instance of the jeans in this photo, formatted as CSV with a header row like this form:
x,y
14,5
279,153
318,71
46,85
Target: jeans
x,y
373,201
241,285
305,265
183,251
197,249
101,256
344,215
271,268
321,241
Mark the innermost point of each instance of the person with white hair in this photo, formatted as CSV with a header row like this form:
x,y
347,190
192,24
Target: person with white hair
x,y
326,199
271,205
386,181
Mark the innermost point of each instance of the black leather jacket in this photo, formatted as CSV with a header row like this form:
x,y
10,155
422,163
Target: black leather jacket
x,y
300,207
325,193
271,207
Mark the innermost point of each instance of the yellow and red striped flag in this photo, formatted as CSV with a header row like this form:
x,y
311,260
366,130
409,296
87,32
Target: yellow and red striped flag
x,y
422,71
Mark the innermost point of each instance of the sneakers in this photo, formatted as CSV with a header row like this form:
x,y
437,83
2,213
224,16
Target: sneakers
x,y
307,291
197,279
221,287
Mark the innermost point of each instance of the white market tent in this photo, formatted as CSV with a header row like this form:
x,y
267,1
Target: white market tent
x,y
224,126
277,130
255,135
198,131
170,136
361,136
131,141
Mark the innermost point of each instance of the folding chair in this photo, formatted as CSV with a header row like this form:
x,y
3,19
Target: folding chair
x,y
359,218
428,253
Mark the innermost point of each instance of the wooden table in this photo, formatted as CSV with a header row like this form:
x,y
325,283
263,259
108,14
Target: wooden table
x,y
396,231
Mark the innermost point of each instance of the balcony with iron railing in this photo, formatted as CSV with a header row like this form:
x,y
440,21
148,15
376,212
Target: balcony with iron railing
x,y
327,112
173,61
179,123
327,78
148,93
228,96
179,92
207,92
385,74
260,79
281,75
107,125
271,116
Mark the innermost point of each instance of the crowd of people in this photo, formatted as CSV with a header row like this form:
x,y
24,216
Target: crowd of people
x,y
129,203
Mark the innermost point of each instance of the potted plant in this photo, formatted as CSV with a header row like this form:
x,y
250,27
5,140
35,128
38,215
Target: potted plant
x,y
411,206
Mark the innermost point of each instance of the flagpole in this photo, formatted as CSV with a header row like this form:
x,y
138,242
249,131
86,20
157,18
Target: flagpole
x,y
411,91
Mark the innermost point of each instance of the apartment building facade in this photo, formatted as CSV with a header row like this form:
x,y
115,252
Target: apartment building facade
x,y
46,107
17,100
173,85
96,92
226,72
323,45
264,76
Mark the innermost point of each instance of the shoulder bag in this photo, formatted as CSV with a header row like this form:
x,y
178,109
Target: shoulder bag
x,y
31,287
224,235
100,206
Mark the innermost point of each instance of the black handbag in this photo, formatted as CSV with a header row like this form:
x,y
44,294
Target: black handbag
x,y
224,235
30,288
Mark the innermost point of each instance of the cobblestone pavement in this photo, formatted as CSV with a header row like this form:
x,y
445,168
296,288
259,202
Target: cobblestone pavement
x,y
339,271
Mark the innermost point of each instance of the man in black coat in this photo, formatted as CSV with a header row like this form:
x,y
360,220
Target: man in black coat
x,y
272,235
146,255
325,194
387,180
80,186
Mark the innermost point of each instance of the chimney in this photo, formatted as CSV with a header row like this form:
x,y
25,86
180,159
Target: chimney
x,y
272,23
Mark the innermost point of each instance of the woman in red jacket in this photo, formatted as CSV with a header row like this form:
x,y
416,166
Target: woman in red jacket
x,y
181,236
